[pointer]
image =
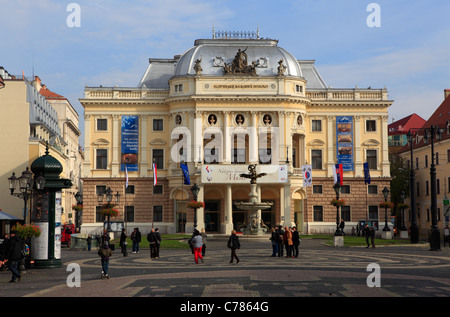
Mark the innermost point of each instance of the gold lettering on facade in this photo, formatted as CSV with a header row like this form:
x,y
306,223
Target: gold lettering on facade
x,y
238,86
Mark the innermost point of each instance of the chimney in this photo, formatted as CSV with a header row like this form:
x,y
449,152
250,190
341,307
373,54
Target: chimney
x,y
446,93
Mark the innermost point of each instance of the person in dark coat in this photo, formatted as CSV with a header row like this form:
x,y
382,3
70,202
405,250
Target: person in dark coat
x,y
295,241
3,251
151,238
280,234
233,244
136,237
366,232
105,253
89,242
157,242
123,242
274,239
14,256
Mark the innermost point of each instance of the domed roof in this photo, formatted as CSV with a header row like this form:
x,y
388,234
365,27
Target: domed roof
x,y
47,165
214,54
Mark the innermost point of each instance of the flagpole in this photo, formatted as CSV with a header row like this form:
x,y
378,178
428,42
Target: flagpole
x,y
153,191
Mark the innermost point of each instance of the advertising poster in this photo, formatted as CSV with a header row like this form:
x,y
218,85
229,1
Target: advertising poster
x,y
58,213
344,142
39,248
129,143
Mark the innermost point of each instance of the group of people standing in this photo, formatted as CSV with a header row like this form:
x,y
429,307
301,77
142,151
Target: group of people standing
x,y
287,239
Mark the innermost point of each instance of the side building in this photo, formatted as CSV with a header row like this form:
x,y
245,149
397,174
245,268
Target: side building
x,y
423,158
29,122
222,105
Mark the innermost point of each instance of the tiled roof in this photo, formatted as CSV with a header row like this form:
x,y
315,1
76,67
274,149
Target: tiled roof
x,y
50,94
402,126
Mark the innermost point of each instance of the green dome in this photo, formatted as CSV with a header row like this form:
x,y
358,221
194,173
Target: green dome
x,y
47,166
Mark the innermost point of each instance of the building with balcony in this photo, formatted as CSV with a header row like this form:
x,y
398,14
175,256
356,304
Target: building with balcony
x,y
228,102
29,122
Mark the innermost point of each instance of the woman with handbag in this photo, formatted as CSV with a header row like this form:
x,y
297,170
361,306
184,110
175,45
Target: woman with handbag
x,y
233,244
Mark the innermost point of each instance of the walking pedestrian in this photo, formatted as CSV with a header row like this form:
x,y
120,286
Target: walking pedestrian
x,y
136,238
89,242
342,226
287,238
372,236
274,239
157,242
105,253
14,255
197,246
152,241
280,234
123,242
204,237
295,240
233,244
366,232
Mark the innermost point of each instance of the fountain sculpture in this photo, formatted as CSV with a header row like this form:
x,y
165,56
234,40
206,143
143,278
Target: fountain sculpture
x,y
254,204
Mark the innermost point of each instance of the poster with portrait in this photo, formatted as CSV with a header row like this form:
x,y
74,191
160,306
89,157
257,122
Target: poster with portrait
x,y
344,142
129,143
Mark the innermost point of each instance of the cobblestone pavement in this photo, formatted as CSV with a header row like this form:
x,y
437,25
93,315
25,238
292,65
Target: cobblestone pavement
x,y
320,271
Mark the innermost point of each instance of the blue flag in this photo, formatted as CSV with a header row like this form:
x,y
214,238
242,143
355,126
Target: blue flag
x,y
366,174
185,170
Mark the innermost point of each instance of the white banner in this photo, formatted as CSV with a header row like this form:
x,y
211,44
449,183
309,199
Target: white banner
x,y
229,174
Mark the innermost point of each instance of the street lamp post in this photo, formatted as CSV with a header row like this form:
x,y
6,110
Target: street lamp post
x,y
412,208
385,192
337,190
25,183
402,197
195,190
79,214
109,197
433,133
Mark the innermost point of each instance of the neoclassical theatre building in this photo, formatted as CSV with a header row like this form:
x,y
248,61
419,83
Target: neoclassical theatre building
x,y
228,102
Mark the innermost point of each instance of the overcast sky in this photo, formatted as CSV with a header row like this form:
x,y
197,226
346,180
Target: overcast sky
x,y
409,53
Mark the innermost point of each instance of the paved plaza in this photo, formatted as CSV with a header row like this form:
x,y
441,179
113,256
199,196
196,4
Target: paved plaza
x,y
319,271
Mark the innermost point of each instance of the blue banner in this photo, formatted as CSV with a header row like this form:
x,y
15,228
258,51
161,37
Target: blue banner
x,y
366,174
186,178
344,142
130,143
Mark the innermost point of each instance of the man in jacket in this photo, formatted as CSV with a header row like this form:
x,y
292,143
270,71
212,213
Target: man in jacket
x,y
14,255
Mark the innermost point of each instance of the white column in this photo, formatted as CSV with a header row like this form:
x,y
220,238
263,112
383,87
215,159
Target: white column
x,y
384,147
115,165
226,138
201,211
282,138
287,205
228,225
86,172
331,146
253,140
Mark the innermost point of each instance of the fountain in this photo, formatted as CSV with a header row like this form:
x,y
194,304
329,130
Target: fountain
x,y
254,203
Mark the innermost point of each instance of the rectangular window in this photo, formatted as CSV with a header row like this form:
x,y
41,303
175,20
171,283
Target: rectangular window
x,y
345,213
345,189
372,189
158,125
316,125
426,160
129,213
417,163
373,212
102,124
448,156
372,159
158,158
157,213
437,158
211,155
318,213
316,159
427,191
158,189
371,126
129,190
438,186
100,189
317,189
98,215
102,159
